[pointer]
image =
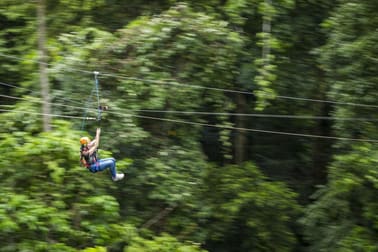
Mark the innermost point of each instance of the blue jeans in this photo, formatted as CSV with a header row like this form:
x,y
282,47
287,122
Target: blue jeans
x,y
103,164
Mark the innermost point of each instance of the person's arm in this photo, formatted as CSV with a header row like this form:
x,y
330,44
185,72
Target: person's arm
x,y
96,142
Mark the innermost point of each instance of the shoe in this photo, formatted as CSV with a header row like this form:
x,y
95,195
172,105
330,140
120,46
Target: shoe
x,y
118,176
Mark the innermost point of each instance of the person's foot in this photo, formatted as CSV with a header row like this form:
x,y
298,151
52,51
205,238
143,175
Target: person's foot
x,y
118,176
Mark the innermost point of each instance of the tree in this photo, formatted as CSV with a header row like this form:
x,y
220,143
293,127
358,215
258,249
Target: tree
x,y
296,35
247,212
344,215
43,77
46,199
15,40
170,52
163,243
348,59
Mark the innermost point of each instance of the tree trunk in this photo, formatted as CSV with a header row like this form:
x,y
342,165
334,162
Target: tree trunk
x,y
322,148
240,141
266,29
43,78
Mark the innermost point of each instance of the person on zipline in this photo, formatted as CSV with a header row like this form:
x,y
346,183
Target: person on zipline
x,y
88,157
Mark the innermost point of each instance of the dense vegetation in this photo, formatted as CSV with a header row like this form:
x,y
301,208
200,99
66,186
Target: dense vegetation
x,y
224,180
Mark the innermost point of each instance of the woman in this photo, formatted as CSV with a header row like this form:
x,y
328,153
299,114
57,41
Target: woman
x,y
88,157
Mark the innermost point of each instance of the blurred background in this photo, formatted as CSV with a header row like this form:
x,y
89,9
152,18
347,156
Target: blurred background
x,y
244,125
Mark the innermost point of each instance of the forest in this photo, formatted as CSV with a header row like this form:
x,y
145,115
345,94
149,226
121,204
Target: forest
x,y
240,125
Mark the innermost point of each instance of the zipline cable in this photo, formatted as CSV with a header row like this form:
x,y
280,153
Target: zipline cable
x,y
200,112
255,115
99,110
98,97
86,108
43,114
258,130
211,125
39,101
175,83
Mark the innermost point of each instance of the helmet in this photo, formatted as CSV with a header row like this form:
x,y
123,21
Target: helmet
x,y
84,140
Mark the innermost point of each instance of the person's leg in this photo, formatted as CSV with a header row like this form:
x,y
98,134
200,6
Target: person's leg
x,y
107,163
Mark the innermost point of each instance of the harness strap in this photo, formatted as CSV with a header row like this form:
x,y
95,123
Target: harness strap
x,y
88,102
88,160
99,109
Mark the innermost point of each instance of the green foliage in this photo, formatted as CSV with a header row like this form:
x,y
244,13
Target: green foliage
x,y
78,50
248,210
163,243
16,26
165,54
159,55
344,216
174,47
242,13
348,58
173,174
47,198
96,249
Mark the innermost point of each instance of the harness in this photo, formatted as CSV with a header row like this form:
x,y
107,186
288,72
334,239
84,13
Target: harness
x,y
87,160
